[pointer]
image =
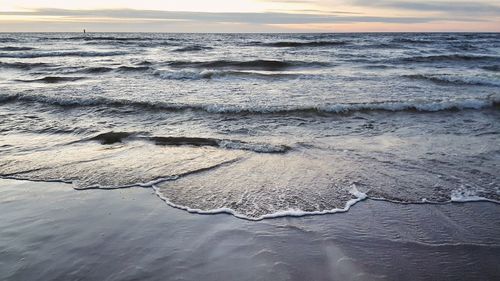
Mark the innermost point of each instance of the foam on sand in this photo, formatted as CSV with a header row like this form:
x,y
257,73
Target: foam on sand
x,y
360,196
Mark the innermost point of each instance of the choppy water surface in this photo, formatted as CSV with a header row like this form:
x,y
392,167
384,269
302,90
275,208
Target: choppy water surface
x,y
257,125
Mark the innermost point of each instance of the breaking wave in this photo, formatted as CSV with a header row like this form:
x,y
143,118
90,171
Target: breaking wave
x,y
341,108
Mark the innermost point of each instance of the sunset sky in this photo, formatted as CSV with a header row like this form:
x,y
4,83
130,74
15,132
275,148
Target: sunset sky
x,y
249,15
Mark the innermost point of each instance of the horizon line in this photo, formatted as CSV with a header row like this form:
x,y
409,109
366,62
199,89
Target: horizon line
x,y
243,32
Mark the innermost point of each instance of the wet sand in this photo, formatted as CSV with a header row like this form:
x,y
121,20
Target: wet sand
x,y
48,231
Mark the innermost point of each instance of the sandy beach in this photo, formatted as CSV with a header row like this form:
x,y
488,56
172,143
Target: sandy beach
x,y
49,231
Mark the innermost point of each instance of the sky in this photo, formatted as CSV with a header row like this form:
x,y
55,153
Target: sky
x,y
249,15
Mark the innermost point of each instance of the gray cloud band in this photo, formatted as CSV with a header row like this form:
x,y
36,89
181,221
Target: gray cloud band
x,y
245,18
455,7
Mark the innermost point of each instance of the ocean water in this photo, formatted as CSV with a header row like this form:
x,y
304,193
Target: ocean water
x,y
257,125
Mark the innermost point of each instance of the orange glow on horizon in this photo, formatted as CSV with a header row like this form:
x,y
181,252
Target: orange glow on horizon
x,y
26,15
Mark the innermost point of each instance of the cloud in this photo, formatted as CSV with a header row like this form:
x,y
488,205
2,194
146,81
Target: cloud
x,y
324,17
262,18
292,1
455,7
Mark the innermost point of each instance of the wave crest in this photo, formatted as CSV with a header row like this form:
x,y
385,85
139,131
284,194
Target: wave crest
x,y
14,48
450,58
445,79
296,44
62,54
52,79
493,68
193,48
118,137
211,74
24,65
342,108
268,65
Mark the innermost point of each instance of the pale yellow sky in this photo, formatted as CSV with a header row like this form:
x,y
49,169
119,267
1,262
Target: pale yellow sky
x,y
249,15
166,5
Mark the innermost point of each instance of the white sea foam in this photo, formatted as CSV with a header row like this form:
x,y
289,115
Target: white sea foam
x,y
360,196
429,106
256,147
423,106
394,106
148,184
447,79
463,195
184,74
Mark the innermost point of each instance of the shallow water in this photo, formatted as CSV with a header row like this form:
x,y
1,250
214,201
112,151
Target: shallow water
x,y
258,125
51,232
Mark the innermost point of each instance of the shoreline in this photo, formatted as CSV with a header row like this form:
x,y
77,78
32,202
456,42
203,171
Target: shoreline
x,y
360,196
49,231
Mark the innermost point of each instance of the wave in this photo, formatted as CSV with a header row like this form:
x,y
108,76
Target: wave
x,y
62,54
444,79
212,74
96,69
143,41
494,68
412,41
269,65
104,69
222,143
51,79
144,44
185,74
143,63
7,40
379,46
193,48
12,48
465,47
125,68
109,38
377,66
24,65
119,137
342,108
111,137
295,44
450,58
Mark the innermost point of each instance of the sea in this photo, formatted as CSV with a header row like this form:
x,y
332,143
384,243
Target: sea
x,y
256,125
